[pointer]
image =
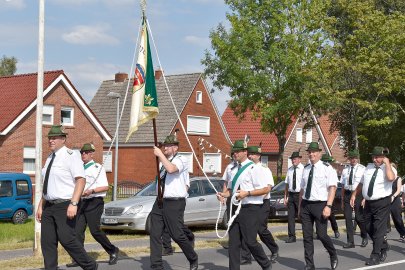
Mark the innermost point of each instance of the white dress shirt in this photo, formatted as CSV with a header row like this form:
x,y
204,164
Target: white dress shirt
x,y
66,166
298,177
266,176
230,171
358,171
382,187
95,177
324,176
176,183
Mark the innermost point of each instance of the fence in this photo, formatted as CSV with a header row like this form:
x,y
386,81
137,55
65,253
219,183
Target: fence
x,y
125,189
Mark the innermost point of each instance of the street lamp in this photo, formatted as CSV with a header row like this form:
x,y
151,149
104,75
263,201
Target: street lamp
x,y
117,96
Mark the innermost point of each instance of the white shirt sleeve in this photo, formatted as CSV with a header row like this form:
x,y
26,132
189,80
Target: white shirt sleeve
x,y
76,165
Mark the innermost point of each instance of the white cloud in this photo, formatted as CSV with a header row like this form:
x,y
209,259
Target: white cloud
x,y
87,35
18,34
200,41
74,2
12,4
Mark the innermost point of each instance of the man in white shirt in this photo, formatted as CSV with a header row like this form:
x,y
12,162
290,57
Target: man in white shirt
x,y
63,186
292,193
350,178
376,187
248,184
175,180
318,188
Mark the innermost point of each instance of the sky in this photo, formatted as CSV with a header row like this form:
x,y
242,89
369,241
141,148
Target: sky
x,y
91,40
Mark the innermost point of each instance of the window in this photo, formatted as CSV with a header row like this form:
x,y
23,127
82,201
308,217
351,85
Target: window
x,y
107,159
212,162
265,160
47,115
6,188
194,189
308,138
298,137
29,160
66,116
199,97
198,125
189,157
208,188
22,187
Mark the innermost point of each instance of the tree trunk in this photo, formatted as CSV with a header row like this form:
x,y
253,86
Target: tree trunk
x,y
281,144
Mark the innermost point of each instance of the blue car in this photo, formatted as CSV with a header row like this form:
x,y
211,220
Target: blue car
x,y
15,197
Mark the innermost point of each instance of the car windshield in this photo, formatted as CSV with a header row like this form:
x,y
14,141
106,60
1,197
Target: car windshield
x,y
149,190
279,186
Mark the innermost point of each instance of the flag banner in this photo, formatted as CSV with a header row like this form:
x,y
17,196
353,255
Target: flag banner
x,y
144,106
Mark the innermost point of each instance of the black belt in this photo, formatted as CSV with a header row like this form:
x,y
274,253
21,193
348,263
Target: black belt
x,y
383,198
293,193
174,199
313,202
250,205
57,201
92,198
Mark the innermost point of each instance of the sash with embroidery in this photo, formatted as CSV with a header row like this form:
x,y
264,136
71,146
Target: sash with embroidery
x,y
235,179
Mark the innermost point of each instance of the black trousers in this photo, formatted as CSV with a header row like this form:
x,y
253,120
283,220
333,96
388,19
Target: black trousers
x,y
90,212
332,219
246,226
293,203
375,217
312,212
169,216
265,235
359,216
396,214
167,241
56,227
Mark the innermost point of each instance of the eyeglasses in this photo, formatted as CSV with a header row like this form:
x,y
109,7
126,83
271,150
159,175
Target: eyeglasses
x,y
85,152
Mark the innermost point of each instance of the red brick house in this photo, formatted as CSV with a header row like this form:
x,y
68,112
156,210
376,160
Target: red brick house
x,y
62,105
297,136
197,111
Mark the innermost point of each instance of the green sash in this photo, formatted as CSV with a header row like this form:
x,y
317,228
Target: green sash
x,y
89,164
235,179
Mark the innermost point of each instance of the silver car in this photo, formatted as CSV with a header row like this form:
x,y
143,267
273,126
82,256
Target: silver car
x,y
134,213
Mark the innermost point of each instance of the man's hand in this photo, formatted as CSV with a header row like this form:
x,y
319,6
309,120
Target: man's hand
x,y
285,200
386,161
157,151
38,214
242,194
221,197
352,200
87,193
326,212
71,211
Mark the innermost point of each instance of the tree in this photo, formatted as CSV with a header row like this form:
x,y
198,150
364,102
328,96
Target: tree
x,y
8,66
265,58
363,78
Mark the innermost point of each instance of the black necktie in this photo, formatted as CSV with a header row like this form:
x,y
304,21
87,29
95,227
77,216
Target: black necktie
x,y
239,166
309,184
48,170
351,177
371,185
295,178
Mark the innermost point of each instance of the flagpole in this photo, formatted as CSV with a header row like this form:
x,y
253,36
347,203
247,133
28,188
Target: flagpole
x,y
159,182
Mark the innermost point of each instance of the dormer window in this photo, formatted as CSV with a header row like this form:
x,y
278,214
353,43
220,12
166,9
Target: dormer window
x,y
199,97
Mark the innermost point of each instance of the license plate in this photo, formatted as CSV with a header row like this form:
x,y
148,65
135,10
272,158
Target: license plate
x,y
110,221
281,213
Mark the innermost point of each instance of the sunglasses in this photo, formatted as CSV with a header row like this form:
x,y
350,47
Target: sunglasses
x,y
85,152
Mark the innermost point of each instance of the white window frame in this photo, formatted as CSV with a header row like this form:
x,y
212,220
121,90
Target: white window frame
x,y
209,166
308,135
48,110
190,159
107,161
28,155
198,97
298,135
72,110
193,130
264,160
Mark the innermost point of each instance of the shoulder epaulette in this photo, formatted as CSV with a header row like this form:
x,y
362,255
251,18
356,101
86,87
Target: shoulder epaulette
x,y
97,165
264,165
326,164
69,151
361,166
307,165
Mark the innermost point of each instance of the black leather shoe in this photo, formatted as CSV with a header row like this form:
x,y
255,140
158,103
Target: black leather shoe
x,y
307,267
291,240
383,255
337,234
96,267
364,242
245,262
348,245
372,261
268,267
273,257
334,263
167,252
72,264
114,257
194,265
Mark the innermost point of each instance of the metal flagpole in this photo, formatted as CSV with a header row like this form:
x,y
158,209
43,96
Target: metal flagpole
x,y
38,140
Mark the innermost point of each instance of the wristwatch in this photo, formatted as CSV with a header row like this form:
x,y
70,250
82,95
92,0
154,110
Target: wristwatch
x,y
330,206
74,203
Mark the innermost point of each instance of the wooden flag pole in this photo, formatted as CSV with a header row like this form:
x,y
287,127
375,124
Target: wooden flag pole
x,y
159,182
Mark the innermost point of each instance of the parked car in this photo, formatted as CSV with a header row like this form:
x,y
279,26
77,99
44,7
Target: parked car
x,y
279,210
134,213
15,197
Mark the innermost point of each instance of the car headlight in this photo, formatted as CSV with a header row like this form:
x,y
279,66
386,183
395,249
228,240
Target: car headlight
x,y
281,201
133,210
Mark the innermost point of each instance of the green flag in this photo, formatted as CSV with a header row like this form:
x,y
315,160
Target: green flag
x,y
144,106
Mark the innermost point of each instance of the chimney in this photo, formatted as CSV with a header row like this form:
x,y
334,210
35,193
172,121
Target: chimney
x,y
120,77
158,73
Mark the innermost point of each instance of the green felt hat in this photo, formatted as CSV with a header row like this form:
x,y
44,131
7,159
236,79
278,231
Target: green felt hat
x,y
378,151
88,147
57,130
353,153
254,150
239,145
314,146
295,154
327,158
171,139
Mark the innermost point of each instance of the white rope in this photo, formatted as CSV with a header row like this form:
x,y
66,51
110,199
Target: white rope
x,y
236,202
